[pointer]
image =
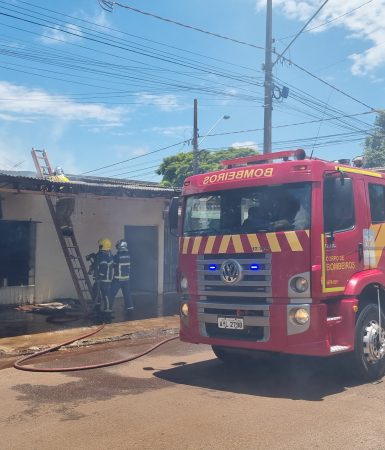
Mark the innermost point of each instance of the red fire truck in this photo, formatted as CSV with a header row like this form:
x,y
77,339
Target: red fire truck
x,y
284,253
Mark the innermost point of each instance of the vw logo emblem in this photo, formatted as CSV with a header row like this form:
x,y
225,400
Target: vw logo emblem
x,y
231,271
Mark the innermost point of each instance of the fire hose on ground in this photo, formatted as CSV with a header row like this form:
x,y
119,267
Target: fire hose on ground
x,y
19,363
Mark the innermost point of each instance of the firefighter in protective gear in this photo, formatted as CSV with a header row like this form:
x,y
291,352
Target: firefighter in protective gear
x,y
59,176
103,273
65,206
122,269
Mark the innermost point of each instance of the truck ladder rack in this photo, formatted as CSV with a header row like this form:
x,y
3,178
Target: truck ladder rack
x,y
68,243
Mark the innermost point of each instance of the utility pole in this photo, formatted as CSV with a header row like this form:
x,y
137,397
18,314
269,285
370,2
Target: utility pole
x,y
268,103
195,162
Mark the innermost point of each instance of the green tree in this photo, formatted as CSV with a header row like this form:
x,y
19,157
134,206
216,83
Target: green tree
x,y
176,168
374,152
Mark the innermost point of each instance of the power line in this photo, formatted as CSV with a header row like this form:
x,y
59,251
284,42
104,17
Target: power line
x,y
329,21
292,124
315,104
89,36
306,71
299,32
110,4
86,35
338,138
136,157
260,129
136,170
289,61
134,36
142,79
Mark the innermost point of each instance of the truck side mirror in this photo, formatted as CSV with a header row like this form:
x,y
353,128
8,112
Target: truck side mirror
x,y
173,215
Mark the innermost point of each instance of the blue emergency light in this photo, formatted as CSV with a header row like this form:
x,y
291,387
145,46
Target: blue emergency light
x,y
254,266
212,267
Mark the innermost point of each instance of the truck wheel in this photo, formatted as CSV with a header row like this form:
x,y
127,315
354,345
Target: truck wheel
x,y
369,343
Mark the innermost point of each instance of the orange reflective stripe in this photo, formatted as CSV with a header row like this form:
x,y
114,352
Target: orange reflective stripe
x,y
273,242
254,243
224,244
209,245
196,245
186,240
236,238
293,241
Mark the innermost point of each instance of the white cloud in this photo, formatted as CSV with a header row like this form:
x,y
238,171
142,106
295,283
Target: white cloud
x,y
245,144
369,60
365,23
10,118
98,17
165,103
64,33
19,103
124,151
176,131
71,32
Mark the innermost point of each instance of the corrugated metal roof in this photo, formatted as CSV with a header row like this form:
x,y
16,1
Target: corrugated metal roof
x,y
82,184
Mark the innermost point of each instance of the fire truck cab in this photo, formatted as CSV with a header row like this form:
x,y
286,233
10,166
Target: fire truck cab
x,y
284,253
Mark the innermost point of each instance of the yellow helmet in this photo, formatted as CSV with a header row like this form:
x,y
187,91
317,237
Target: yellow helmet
x,y
104,244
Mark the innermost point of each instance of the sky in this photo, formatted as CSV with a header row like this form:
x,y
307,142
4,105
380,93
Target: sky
x,y
111,92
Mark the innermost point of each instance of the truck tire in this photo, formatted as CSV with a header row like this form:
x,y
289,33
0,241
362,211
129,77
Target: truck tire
x,y
369,353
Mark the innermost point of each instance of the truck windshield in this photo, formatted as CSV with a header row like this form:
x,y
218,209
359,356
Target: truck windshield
x,y
249,210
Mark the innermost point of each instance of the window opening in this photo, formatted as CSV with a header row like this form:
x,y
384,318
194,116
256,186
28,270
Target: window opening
x,y
338,205
17,256
377,203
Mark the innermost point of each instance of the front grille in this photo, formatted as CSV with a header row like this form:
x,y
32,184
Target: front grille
x,y
235,299
254,284
233,312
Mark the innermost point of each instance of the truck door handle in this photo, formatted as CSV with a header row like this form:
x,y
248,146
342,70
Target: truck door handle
x,y
360,251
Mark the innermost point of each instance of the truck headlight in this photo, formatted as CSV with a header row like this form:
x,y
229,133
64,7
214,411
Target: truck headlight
x,y
183,283
300,316
299,284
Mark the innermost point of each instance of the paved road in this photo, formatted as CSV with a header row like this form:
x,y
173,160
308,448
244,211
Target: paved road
x,y
181,397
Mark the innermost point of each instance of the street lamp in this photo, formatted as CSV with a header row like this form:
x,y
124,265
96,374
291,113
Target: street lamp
x,y
211,129
196,142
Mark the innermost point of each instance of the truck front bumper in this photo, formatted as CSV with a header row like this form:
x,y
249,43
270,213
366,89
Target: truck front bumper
x,y
270,327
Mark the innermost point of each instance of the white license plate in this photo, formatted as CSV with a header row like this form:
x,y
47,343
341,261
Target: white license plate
x,y
233,323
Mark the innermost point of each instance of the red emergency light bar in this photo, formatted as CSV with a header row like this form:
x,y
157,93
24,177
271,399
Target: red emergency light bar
x,y
298,154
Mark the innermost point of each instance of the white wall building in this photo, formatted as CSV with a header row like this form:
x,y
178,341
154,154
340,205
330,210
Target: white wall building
x,y
32,265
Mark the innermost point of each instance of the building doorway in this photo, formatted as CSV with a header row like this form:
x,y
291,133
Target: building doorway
x,y
143,247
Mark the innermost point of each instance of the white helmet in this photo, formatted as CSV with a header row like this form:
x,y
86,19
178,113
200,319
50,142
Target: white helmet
x,y
59,171
121,245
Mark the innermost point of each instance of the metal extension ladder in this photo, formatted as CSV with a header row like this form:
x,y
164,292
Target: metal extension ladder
x,y
68,244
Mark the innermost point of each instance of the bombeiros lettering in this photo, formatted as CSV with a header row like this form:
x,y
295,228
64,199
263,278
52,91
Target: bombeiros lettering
x,y
242,174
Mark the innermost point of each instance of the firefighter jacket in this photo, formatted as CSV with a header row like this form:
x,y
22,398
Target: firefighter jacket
x,y
58,178
104,265
122,265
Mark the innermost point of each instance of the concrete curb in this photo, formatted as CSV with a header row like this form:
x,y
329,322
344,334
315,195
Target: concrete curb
x,y
138,329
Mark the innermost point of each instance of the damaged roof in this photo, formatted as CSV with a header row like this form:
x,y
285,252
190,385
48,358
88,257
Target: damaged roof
x,y
28,181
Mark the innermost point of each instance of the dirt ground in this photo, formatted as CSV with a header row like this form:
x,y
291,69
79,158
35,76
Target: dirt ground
x,y
181,396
